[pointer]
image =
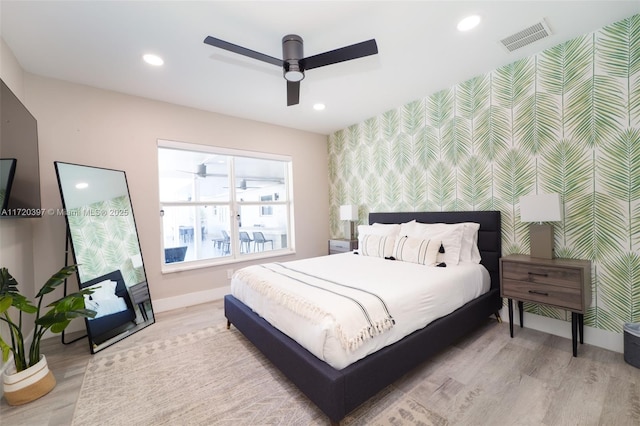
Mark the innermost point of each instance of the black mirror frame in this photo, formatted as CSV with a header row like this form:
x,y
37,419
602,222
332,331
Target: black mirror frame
x,y
129,294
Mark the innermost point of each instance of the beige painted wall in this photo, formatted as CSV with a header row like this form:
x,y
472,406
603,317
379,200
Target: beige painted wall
x,y
16,241
101,128
16,247
90,126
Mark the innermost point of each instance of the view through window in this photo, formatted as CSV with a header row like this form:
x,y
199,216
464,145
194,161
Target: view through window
x,y
219,204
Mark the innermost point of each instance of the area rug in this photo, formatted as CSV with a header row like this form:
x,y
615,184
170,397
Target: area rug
x,y
214,376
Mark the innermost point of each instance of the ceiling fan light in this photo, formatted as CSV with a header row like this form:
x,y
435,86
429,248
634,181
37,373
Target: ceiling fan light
x,y
293,75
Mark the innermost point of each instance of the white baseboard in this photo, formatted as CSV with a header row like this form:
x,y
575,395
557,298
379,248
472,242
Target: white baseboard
x,y
592,336
190,299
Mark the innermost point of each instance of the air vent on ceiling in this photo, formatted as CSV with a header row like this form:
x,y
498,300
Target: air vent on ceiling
x,y
527,36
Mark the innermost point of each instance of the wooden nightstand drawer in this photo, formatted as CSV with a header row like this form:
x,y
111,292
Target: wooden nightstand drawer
x,y
544,274
563,283
342,246
339,245
560,296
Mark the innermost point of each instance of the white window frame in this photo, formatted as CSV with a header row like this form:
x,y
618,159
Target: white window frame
x,y
234,208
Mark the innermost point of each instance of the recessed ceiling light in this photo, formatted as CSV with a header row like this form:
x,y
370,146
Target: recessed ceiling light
x,y
82,185
468,23
153,59
319,107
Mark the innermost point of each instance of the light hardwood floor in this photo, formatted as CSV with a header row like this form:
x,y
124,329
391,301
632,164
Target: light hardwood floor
x,y
535,379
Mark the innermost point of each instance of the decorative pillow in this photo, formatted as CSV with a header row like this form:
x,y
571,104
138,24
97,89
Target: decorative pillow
x,y
449,234
376,245
416,250
469,244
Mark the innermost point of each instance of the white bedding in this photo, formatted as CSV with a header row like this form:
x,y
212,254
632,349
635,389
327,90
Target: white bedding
x,y
104,300
106,307
414,295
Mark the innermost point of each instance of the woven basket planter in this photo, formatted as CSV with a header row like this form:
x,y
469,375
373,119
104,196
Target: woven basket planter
x,y
28,385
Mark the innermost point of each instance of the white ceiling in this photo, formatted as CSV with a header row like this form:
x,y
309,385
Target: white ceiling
x,y
100,43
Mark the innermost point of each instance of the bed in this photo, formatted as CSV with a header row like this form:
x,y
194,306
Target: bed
x,y
339,391
112,304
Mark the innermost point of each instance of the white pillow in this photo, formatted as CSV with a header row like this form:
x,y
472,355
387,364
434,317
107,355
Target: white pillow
x,y
449,234
376,245
379,229
103,290
469,251
469,245
416,250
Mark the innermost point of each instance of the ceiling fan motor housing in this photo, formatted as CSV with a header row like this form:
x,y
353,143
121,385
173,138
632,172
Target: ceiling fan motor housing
x,y
292,53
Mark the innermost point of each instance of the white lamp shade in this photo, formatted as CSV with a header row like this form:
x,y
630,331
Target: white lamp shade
x,y
136,260
540,208
349,212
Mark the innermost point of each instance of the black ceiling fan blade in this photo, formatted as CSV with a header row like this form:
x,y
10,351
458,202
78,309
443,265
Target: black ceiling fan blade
x,y
293,93
216,42
347,53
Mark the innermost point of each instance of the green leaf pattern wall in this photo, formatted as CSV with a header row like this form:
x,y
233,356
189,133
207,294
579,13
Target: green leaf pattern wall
x,y
103,242
566,120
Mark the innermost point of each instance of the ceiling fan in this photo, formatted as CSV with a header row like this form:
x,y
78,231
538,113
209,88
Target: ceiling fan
x,y
293,62
201,171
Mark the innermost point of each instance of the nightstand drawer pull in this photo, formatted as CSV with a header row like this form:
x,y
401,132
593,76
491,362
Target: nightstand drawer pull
x,y
537,274
542,293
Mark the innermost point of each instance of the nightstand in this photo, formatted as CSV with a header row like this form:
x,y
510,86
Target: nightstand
x,y
563,283
342,246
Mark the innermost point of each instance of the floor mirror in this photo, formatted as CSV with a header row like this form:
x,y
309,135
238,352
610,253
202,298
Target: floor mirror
x,y
105,245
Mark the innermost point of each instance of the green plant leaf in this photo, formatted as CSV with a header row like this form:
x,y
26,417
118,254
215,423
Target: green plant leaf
x,y
8,284
6,349
5,303
56,279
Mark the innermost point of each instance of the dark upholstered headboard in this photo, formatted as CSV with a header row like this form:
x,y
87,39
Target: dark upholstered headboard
x,y
489,235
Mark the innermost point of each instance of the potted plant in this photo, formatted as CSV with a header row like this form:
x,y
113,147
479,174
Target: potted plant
x,y
29,378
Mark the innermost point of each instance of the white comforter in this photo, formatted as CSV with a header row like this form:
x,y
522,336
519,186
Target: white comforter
x,y
413,294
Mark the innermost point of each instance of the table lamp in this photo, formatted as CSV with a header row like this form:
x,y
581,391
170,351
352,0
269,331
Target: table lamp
x,y
536,209
349,213
136,260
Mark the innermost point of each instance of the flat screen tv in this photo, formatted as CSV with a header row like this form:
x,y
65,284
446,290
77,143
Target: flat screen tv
x,y
19,163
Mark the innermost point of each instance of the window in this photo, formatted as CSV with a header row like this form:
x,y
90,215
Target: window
x,y
266,210
220,205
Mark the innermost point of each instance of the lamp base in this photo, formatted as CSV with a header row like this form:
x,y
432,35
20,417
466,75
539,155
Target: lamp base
x,y
541,240
349,230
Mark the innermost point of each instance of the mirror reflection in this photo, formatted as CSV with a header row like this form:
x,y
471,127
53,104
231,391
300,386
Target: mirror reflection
x,y
7,171
107,251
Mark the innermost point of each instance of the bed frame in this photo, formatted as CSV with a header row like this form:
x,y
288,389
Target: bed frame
x,y
338,392
104,328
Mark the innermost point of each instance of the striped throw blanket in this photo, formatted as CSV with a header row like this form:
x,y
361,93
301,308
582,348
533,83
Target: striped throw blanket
x,y
357,314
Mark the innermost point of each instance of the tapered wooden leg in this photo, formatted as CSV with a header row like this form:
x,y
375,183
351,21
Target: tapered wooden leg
x,y
581,327
510,304
498,317
574,332
521,312
228,324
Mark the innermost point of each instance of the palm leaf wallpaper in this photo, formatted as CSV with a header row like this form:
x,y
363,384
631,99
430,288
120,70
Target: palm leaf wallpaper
x,y
104,242
566,120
